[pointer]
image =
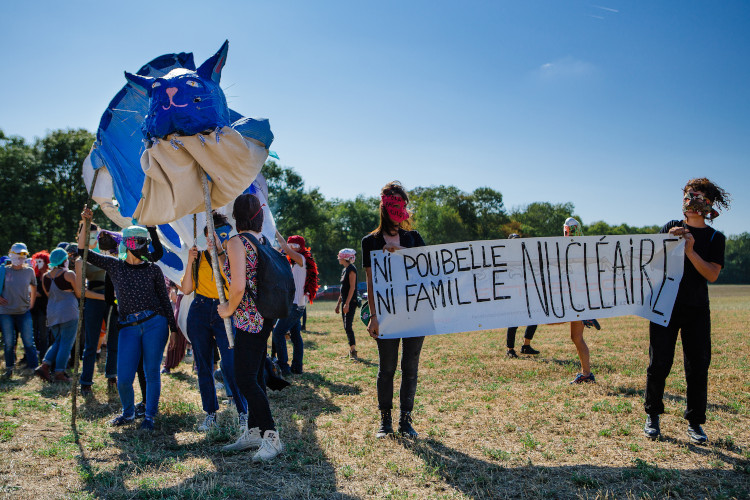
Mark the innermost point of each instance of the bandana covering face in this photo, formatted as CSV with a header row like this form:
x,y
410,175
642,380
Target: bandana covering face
x,y
17,259
572,227
396,208
699,204
223,232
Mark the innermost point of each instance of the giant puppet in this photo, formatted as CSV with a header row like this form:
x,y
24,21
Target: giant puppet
x,y
168,148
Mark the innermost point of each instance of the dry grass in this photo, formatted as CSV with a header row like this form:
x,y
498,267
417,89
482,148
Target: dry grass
x,y
490,427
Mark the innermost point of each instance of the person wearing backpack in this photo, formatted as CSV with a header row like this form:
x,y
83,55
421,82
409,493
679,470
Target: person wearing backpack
x,y
204,326
251,329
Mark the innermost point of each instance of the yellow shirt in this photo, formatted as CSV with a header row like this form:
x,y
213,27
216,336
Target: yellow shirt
x,y
206,285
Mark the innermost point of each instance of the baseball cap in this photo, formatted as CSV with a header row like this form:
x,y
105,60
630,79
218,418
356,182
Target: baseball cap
x,y
19,248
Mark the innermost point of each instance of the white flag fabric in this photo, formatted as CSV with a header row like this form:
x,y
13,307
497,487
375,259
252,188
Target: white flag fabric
x,y
483,285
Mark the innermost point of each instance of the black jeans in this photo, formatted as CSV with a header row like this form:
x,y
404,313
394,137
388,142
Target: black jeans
x,y
388,355
511,337
694,324
348,318
249,365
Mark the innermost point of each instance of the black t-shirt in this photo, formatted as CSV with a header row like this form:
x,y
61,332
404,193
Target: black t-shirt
x,y
709,245
345,284
407,239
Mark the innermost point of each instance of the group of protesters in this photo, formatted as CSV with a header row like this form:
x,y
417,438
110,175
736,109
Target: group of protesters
x,y
125,290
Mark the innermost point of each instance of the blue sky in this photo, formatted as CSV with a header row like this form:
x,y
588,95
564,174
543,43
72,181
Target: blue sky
x,y
611,105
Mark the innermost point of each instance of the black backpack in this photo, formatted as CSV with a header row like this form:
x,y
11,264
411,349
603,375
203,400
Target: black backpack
x,y
275,291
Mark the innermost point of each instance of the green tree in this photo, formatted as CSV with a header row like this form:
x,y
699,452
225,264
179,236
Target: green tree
x,y
736,260
540,219
21,194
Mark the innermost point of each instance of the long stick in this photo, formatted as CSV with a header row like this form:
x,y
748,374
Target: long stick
x,y
215,256
81,302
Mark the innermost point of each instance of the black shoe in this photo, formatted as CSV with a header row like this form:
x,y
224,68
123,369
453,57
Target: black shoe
x,y
147,424
121,420
697,436
8,374
296,371
511,354
140,410
86,391
404,425
527,349
651,428
386,424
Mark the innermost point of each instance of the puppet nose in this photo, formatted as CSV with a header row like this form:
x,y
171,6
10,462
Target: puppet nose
x,y
171,91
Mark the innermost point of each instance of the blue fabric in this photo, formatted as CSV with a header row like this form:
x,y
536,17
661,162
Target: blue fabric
x,y
289,324
203,325
59,352
93,316
12,323
147,339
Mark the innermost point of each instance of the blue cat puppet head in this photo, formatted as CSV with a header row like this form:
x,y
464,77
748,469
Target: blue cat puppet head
x,y
183,101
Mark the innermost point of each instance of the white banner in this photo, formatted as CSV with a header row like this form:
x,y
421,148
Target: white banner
x,y
483,285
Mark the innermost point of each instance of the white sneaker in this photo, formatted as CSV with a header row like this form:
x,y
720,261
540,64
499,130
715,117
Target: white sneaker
x,y
208,423
250,438
269,448
243,421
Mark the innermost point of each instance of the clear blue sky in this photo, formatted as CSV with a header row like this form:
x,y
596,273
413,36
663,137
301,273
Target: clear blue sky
x,y
612,105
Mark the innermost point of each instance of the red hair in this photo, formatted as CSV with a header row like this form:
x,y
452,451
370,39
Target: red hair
x,y
311,279
44,255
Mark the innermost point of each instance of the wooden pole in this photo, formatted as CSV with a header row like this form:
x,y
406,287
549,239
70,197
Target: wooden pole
x,y
81,302
215,256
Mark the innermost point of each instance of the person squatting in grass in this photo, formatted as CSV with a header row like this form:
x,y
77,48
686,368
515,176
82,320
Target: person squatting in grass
x,y
145,315
16,301
347,302
691,314
393,233
251,330
60,286
205,327
305,274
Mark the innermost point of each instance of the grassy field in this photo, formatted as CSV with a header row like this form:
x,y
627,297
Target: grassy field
x,y
490,427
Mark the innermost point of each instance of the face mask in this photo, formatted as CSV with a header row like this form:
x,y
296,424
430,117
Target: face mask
x,y
223,232
39,264
294,246
396,208
93,236
697,203
141,253
17,259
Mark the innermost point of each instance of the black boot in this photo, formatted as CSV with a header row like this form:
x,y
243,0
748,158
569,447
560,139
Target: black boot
x,y
404,425
386,424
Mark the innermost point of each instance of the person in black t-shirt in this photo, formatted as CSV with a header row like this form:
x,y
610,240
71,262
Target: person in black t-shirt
x,y
347,302
391,235
691,316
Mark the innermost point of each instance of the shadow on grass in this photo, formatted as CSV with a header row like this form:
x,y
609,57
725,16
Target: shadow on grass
x,y
302,471
621,390
478,478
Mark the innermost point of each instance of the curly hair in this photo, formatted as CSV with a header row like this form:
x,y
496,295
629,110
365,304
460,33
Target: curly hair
x,y
311,278
720,199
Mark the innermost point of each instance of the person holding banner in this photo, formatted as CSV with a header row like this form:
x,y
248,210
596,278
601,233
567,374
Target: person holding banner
x,y
145,316
347,302
691,315
573,228
393,233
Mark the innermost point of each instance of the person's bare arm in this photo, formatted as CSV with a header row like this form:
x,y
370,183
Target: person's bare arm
x,y
372,326
293,254
237,262
186,284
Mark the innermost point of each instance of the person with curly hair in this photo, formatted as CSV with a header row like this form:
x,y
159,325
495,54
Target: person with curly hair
x,y
305,273
40,264
691,315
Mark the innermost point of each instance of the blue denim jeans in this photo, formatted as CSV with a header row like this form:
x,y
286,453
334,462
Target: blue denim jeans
x,y
59,352
93,315
204,324
147,339
289,324
10,324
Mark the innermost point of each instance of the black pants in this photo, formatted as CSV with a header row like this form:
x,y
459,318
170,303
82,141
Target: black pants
x,y
249,365
694,324
510,339
348,318
388,354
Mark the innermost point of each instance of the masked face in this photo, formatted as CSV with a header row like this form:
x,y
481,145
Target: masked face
x,y
93,236
223,233
395,206
138,246
39,264
695,201
17,259
294,246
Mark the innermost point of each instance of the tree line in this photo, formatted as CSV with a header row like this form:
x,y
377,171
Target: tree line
x,y
43,192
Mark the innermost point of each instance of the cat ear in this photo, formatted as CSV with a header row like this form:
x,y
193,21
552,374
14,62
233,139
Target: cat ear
x,y
140,83
211,69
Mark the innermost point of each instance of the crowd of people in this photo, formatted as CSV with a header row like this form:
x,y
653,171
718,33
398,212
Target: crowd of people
x,y
126,295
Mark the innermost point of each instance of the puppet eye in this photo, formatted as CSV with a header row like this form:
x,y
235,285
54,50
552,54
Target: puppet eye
x,y
197,99
193,83
156,84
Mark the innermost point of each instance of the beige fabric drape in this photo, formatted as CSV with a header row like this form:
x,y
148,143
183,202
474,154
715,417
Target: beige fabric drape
x,y
173,189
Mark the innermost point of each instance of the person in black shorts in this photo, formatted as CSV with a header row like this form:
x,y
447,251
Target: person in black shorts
x,y
392,234
691,316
